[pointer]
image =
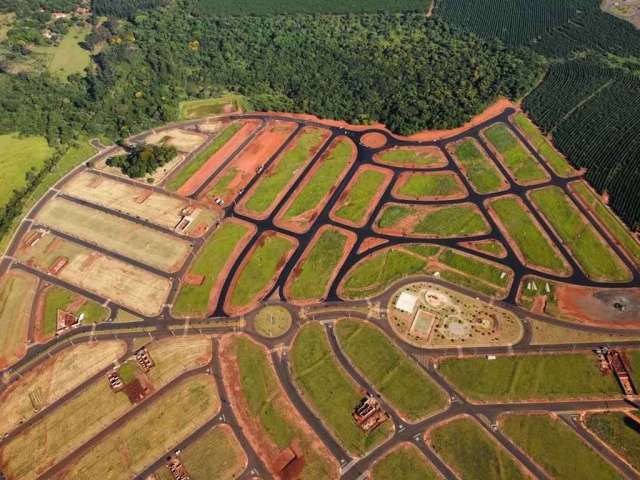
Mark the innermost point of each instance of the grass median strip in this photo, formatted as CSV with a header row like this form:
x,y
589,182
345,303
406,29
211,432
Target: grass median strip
x,y
480,170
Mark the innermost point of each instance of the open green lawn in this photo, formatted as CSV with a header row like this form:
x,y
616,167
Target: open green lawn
x,y
393,214
18,155
360,193
329,391
221,187
620,431
557,162
480,170
619,231
406,463
312,276
402,157
442,221
267,404
476,267
422,185
201,158
593,255
527,377
472,453
396,377
261,268
556,448
528,235
58,298
284,170
191,109
193,300
518,160
323,179
68,57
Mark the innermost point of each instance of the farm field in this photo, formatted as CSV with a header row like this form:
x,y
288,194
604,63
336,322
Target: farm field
x,y
429,186
17,290
479,169
68,57
620,431
406,462
412,157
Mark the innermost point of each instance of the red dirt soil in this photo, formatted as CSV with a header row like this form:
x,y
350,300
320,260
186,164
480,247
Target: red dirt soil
x,y
370,242
373,140
251,158
374,200
405,176
429,150
210,166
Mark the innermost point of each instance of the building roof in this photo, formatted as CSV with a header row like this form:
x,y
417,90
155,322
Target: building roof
x,y
406,302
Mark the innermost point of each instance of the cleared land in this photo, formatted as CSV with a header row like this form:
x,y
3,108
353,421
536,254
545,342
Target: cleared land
x,y
279,177
319,264
68,57
428,221
329,391
530,377
184,141
521,164
213,261
412,157
620,431
191,109
272,321
17,290
404,462
311,195
108,277
154,248
150,433
533,246
556,448
361,196
589,249
472,453
266,414
557,162
479,169
429,186
177,354
54,377
397,378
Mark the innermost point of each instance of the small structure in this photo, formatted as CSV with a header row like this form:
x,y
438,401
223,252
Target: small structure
x,y
144,359
614,360
115,382
66,320
58,265
368,414
407,302
185,219
33,238
193,279
177,469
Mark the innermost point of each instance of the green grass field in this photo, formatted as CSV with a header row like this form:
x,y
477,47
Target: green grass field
x,y
406,463
476,267
422,186
528,235
323,179
556,448
397,378
619,231
273,321
620,431
193,300
221,187
191,109
492,247
17,290
68,57
518,160
270,7
544,147
284,170
360,193
401,157
58,298
593,255
472,453
527,377
480,170
261,268
441,221
328,389
201,158
267,404
312,276
19,155
393,214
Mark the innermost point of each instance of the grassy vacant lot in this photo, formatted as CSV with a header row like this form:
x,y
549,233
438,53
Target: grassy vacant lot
x,y
404,462
528,377
58,298
286,168
67,57
215,254
405,386
261,269
323,180
17,290
492,247
359,194
177,354
620,431
472,453
312,276
200,159
556,448
423,186
412,157
479,269
517,159
528,235
268,405
480,170
617,229
273,321
597,260
330,392
18,155
151,432
212,106
544,147
270,7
